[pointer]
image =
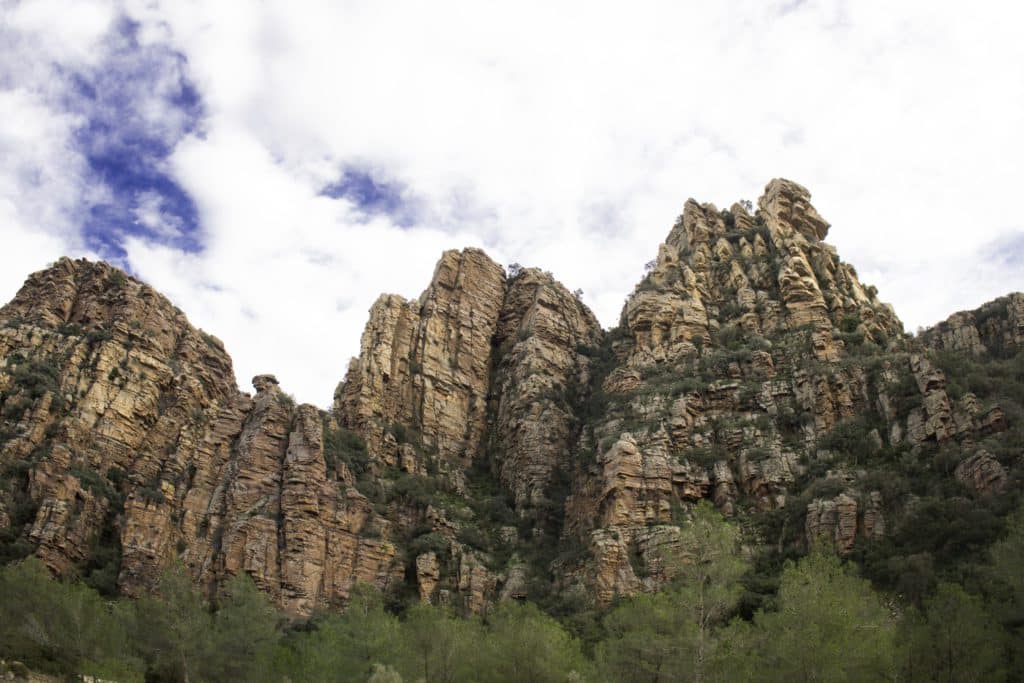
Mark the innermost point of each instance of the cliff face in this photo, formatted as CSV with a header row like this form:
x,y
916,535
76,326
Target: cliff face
x,y
490,441
998,326
426,364
126,443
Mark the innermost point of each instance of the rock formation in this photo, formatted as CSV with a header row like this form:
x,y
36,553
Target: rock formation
x,y
996,326
490,441
130,432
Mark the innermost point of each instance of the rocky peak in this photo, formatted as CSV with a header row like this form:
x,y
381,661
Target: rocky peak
x,y
736,354
787,205
424,365
544,339
264,383
727,272
490,438
125,444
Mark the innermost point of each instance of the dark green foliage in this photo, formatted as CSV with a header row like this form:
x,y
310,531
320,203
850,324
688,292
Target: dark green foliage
x,y
98,336
101,569
413,489
793,419
852,338
472,536
987,377
824,624
954,639
244,633
404,434
705,456
731,337
151,494
829,626
340,647
62,628
70,330
906,395
21,510
35,378
938,539
431,542
523,644
850,440
344,446
117,280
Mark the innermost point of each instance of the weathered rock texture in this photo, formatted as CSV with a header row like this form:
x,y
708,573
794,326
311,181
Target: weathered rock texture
x,y
491,441
131,432
997,326
426,364
543,337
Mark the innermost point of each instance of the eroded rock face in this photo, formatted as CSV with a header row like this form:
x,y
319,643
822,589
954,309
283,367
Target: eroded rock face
x,y
425,364
543,338
839,521
735,361
996,326
489,421
982,473
136,436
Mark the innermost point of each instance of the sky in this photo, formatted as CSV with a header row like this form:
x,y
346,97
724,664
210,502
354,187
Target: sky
x,y
272,167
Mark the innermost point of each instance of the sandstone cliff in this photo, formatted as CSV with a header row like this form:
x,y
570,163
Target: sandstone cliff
x,y
126,444
491,441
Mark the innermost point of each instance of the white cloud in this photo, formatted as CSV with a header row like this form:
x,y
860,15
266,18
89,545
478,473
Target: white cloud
x,y
40,184
568,136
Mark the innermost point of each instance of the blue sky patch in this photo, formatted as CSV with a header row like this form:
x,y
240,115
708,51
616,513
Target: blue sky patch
x,y
137,104
373,195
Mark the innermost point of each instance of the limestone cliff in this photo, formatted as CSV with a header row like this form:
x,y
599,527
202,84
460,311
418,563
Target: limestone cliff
x,y
491,441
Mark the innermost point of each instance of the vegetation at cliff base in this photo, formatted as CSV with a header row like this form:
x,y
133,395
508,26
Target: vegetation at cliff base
x,y
825,624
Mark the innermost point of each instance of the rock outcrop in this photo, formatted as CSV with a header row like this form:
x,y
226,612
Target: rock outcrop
x,y
995,326
133,435
490,441
544,339
425,365
839,521
982,473
735,358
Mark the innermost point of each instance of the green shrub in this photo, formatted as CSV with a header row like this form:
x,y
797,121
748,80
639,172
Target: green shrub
x,y
850,438
70,330
431,542
344,446
117,280
400,432
472,536
98,336
413,489
36,378
151,494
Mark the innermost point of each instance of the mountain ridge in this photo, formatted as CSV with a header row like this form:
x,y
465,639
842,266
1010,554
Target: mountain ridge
x,y
491,441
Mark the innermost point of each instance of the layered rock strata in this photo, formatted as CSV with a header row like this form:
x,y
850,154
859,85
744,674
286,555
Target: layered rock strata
x,y
491,441
130,432
425,364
